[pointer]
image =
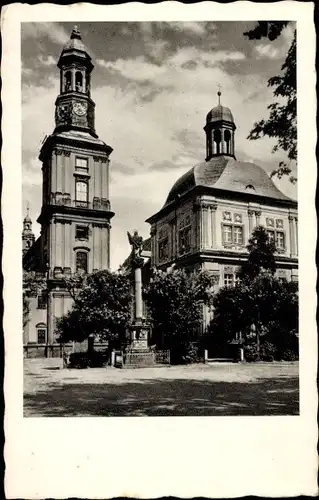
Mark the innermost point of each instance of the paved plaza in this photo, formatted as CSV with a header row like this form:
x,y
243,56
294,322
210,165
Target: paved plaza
x,y
216,389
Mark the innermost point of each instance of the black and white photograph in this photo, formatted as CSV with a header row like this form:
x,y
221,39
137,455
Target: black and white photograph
x,y
163,211
160,219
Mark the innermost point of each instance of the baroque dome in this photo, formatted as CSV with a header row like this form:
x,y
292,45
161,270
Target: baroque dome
x,y
219,113
227,174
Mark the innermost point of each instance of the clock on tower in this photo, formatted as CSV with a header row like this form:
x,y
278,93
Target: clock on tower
x,y
74,106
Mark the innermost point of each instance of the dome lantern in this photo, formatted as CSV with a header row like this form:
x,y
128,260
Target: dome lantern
x,y
220,130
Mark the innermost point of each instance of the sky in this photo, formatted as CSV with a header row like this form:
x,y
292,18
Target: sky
x,y
153,84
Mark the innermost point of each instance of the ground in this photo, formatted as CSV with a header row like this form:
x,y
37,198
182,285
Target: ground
x,y
197,390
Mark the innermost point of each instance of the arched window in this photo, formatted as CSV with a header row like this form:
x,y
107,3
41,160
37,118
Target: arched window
x,y
81,262
78,81
217,140
67,81
81,191
227,138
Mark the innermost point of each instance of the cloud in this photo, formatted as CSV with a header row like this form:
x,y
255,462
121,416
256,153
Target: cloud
x,y
268,51
47,60
53,31
190,27
278,48
134,69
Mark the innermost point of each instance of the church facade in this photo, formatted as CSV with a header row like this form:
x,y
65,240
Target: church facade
x,y
211,211
76,212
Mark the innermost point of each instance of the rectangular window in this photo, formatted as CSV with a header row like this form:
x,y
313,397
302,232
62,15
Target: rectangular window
x,y
81,164
271,236
163,250
184,240
227,233
42,303
82,232
82,262
41,335
233,235
238,235
280,240
237,279
228,279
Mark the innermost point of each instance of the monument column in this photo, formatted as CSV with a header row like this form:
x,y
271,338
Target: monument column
x,y
138,293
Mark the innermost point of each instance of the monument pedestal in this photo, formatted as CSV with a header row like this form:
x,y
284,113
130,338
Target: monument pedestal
x,y
138,354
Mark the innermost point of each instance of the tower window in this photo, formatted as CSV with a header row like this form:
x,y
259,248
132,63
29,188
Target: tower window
x,y
81,262
217,140
67,81
81,191
82,232
227,138
81,164
78,81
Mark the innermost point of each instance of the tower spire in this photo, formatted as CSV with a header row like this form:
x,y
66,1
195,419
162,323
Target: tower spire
x,y
219,93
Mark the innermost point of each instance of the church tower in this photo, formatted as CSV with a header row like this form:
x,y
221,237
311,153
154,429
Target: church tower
x,y
76,212
220,132
27,234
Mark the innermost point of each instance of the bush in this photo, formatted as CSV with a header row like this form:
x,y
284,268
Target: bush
x,y
290,355
267,351
92,359
191,354
250,352
184,353
78,360
97,359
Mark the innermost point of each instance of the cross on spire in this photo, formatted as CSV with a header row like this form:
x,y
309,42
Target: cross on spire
x,y
28,208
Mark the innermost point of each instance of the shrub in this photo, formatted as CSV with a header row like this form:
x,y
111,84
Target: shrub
x,y
92,359
191,353
97,359
250,352
267,351
290,355
78,360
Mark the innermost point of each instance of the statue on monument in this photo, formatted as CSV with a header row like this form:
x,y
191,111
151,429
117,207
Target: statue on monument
x,y
136,243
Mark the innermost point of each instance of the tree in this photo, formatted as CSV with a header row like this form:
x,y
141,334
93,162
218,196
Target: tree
x,y
260,254
282,121
268,303
259,300
175,300
102,307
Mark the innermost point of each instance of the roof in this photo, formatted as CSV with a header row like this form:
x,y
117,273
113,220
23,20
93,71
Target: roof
x,y
75,43
219,113
227,174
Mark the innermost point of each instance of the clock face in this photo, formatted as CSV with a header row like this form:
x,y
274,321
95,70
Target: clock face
x,y
79,108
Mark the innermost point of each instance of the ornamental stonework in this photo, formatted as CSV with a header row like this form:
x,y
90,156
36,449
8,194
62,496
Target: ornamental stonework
x,y
238,218
227,216
270,222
